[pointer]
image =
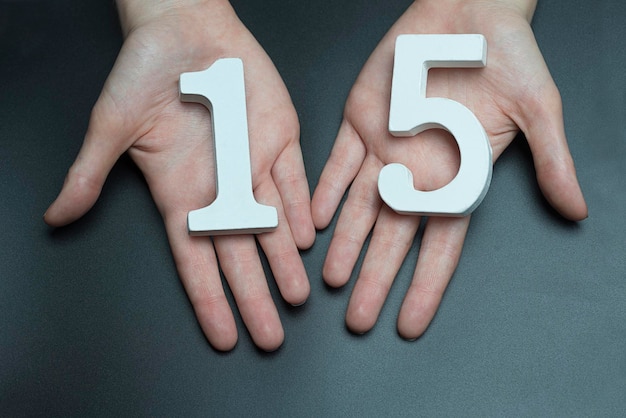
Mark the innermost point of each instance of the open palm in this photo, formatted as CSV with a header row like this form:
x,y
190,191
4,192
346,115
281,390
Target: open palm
x,y
139,111
515,91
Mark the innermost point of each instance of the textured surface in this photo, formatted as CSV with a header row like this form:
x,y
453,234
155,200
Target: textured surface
x,y
94,322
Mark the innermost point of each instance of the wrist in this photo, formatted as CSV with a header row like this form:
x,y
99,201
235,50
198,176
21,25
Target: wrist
x,y
524,8
134,13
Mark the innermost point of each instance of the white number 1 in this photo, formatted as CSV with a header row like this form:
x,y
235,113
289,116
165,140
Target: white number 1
x,y
411,113
235,210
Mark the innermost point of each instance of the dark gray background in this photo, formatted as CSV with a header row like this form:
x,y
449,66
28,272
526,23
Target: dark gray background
x,y
93,319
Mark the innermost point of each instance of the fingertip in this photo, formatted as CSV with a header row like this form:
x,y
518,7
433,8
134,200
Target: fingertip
x,y
221,334
411,329
581,213
298,304
56,216
224,343
559,184
301,226
77,196
305,236
46,217
321,211
340,260
297,293
366,302
355,329
359,320
411,324
574,207
574,210
269,339
217,322
261,318
416,313
334,274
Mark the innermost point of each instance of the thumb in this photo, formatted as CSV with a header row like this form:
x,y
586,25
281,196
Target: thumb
x,y
101,148
542,123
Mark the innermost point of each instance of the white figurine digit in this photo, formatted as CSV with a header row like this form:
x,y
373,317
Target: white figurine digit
x,y
221,89
411,113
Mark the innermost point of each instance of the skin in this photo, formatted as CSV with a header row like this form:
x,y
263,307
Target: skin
x,y
514,92
139,112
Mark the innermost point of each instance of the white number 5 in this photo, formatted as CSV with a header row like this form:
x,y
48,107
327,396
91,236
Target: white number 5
x,y
411,113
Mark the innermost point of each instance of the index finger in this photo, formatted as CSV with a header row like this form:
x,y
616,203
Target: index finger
x,y
342,167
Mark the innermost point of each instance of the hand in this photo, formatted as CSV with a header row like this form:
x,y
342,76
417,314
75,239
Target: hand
x,y
515,91
139,111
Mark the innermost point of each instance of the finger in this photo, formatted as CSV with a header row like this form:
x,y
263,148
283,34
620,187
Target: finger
x,y
542,122
104,143
282,253
355,222
439,256
198,270
391,240
290,178
342,167
242,267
